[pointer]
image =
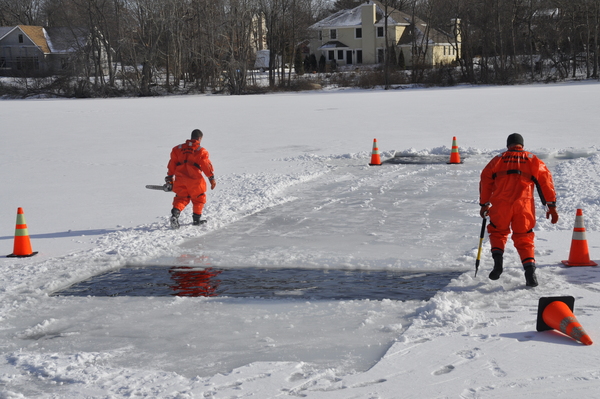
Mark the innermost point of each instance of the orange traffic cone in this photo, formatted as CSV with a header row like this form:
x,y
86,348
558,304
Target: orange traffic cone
x,y
375,159
22,247
454,155
557,313
579,254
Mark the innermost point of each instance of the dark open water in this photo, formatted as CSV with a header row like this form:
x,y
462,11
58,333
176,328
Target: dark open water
x,y
328,284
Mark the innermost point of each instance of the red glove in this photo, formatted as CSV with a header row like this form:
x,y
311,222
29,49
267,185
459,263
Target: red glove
x,y
484,210
552,214
213,182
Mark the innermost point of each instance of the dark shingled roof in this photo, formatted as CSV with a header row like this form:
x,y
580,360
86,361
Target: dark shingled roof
x,y
333,44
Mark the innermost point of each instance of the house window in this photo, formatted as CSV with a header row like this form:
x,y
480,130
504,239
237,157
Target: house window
x,y
330,55
20,38
380,56
333,33
380,31
340,54
358,33
320,35
359,56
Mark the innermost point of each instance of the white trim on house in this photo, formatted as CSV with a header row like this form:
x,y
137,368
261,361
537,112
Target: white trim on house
x,y
369,18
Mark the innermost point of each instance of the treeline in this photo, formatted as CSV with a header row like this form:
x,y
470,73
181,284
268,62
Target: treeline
x,y
148,46
505,41
178,45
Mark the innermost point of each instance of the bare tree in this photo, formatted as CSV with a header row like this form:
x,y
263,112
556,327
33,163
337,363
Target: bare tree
x,y
140,45
271,10
389,6
22,12
237,39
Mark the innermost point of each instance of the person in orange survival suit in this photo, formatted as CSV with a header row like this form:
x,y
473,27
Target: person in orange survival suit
x,y
506,195
184,171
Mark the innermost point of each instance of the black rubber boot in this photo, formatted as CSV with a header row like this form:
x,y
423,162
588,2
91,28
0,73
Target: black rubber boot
x,y
498,261
530,278
175,218
196,219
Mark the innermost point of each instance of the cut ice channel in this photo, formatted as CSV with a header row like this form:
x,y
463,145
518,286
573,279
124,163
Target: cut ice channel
x,y
327,284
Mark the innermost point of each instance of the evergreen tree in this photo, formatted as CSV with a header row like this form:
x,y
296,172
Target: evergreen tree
x,y
298,63
401,60
322,63
313,63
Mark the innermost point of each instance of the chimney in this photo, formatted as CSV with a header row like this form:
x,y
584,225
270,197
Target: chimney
x,y
455,23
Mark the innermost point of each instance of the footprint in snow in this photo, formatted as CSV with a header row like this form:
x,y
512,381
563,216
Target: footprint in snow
x,y
469,354
496,370
525,338
444,370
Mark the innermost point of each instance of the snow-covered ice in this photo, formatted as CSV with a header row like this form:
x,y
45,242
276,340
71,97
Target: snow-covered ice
x,y
294,191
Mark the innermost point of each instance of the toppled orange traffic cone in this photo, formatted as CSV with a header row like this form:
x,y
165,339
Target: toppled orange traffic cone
x,y
579,254
22,246
375,159
557,313
454,154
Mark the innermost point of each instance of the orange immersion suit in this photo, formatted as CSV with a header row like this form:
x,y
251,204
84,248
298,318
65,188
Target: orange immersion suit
x,y
188,162
507,184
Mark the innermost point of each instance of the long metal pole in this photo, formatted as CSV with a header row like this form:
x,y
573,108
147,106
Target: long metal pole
x,y
481,236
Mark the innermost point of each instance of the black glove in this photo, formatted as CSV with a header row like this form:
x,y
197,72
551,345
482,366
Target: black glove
x,y
169,179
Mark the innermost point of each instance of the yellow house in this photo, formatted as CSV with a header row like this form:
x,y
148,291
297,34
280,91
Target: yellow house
x,y
357,37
